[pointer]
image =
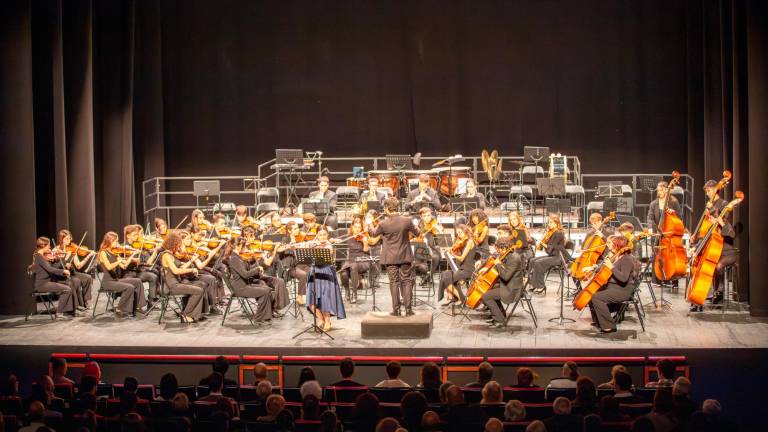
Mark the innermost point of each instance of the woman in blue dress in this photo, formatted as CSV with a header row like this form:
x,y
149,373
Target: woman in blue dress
x,y
323,288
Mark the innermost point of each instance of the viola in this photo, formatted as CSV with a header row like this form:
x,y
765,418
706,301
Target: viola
x,y
458,246
488,275
81,251
707,254
543,243
600,278
124,250
212,243
670,260
258,245
593,249
147,243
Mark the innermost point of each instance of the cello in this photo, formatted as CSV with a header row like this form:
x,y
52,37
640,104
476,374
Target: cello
x,y
487,277
707,254
601,277
593,249
670,260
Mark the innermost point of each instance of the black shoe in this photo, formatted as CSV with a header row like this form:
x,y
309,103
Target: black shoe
x,y
717,298
496,325
395,312
490,320
594,325
539,290
202,318
695,308
613,330
214,311
409,312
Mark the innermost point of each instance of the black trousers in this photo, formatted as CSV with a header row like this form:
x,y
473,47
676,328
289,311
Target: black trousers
x,y
280,296
300,272
353,273
83,292
261,292
149,277
602,303
401,285
728,257
540,266
492,299
64,291
193,304
131,293
449,277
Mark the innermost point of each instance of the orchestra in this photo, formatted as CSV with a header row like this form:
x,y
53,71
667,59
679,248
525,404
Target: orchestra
x,y
476,261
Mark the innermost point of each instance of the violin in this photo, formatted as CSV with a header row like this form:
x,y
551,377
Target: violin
x,y
81,251
123,250
543,243
147,243
205,225
258,245
212,243
202,251
458,246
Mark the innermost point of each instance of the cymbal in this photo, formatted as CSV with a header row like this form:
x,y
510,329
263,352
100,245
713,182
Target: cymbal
x,y
520,162
450,160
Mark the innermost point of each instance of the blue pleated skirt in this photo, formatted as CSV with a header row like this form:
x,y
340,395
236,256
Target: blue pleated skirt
x,y
323,284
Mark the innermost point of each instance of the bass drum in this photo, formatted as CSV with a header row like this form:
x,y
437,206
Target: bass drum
x,y
386,179
453,181
358,182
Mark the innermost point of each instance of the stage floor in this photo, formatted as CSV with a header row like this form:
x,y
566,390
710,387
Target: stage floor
x,y
669,328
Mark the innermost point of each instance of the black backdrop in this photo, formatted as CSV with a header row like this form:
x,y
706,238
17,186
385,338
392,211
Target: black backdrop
x,y
98,95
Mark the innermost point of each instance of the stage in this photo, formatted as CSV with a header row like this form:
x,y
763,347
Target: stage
x,y
667,330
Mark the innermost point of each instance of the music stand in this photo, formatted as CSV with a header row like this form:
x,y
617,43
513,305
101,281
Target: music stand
x,y
634,220
374,205
535,155
464,205
551,187
289,156
609,189
400,163
206,189
314,257
319,208
443,240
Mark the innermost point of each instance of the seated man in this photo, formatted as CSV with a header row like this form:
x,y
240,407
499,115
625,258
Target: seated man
x,y
509,284
373,193
347,370
424,195
220,365
324,194
620,286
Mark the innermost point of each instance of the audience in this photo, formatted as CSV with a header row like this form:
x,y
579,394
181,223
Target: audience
x,y
92,369
494,425
709,418
442,392
35,414
430,420
585,401
622,389
310,408
347,369
284,421
221,366
610,411
59,371
614,369
684,406
514,411
366,413
662,415
666,370
263,390
393,376
328,422
525,378
387,424
484,374
169,386
259,373
492,394
642,424
413,406
215,383
180,405
430,376
311,388
306,374
536,426
563,420
275,404
568,377
9,387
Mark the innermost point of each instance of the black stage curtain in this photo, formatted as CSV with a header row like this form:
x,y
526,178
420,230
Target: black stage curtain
x,y
103,94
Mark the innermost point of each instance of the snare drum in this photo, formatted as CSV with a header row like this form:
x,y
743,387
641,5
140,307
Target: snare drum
x,y
358,182
412,177
453,181
386,179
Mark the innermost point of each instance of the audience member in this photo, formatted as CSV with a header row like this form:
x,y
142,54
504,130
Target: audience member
x,y
259,373
610,411
92,369
430,420
306,374
347,370
311,388
180,405
275,404
35,414
284,421
59,371
684,406
133,422
622,389
709,418
441,392
563,420
492,394
88,384
585,401
484,374
494,425
328,422
666,377
215,383
662,415
131,385
310,408
614,369
642,424
366,414
393,376
263,390
536,426
128,402
592,423
514,411
221,366
430,376
387,424
567,378
169,386
413,406
525,378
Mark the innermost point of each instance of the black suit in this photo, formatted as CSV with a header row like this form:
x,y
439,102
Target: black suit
x,y
508,287
432,199
729,254
618,289
654,212
397,256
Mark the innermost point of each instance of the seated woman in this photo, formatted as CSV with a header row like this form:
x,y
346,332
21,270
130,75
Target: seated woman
x,y
50,277
509,284
624,269
429,227
177,279
554,246
191,243
112,265
323,289
243,278
463,254
77,266
351,272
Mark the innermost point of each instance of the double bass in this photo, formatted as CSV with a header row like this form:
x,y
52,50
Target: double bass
x,y
601,277
707,254
488,275
671,260
593,249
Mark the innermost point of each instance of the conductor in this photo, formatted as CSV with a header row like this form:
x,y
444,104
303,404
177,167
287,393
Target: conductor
x,y
396,255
